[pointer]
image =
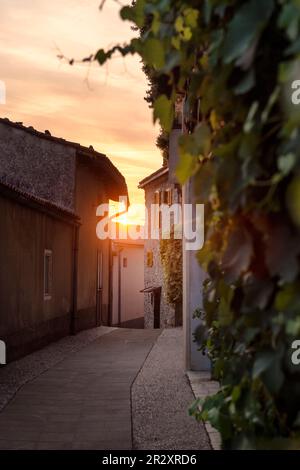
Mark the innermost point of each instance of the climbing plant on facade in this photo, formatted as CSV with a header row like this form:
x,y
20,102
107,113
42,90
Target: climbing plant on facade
x,y
171,260
235,61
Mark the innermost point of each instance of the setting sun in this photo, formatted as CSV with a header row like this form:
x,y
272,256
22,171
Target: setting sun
x,y
135,215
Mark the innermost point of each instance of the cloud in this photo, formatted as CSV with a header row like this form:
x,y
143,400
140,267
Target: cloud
x,y
107,111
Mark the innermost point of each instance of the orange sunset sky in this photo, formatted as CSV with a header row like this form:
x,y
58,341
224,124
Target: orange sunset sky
x,y
103,107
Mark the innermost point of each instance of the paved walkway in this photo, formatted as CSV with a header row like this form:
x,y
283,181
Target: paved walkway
x,y
18,373
161,397
84,401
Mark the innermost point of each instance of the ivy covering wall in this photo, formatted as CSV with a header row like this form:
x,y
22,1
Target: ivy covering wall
x,y
171,260
235,62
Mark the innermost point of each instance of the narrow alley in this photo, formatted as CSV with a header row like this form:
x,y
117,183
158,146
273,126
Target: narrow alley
x,y
106,395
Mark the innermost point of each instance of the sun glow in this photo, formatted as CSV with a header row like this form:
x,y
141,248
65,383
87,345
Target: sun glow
x,y
135,215
88,104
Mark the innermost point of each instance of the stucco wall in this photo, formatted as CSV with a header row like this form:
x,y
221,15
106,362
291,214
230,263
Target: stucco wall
x,y
26,319
38,166
89,194
131,283
132,300
154,275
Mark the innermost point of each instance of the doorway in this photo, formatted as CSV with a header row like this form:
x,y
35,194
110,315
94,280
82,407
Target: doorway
x,y
156,296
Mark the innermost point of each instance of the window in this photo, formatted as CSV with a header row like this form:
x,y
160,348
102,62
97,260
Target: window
x,y
165,197
149,259
157,197
124,262
169,197
48,273
157,214
2,353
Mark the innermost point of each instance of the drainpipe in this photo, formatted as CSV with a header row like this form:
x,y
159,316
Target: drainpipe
x,y
119,287
74,279
110,285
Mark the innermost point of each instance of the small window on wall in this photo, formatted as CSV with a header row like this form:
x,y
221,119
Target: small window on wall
x,y
157,197
157,214
169,198
166,197
149,259
124,262
48,274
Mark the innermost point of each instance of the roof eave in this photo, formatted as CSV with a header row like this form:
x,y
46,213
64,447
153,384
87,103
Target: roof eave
x,y
115,183
154,176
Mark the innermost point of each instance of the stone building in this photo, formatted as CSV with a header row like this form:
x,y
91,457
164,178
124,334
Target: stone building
x,y
158,312
160,188
54,272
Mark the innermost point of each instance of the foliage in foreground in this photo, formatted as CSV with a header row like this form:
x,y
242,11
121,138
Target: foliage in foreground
x,y
237,59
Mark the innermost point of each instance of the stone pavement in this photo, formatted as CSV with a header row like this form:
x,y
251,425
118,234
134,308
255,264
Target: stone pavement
x,y
84,401
161,397
18,373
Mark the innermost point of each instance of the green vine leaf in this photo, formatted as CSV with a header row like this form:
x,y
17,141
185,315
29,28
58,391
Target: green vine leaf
x,y
238,254
293,199
164,112
244,28
233,64
154,53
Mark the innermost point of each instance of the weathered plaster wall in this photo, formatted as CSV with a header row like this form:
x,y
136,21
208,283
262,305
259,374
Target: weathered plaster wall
x,y
41,167
154,275
27,321
89,194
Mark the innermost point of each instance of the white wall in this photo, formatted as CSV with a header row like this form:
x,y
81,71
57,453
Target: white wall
x,y
193,277
132,282
115,292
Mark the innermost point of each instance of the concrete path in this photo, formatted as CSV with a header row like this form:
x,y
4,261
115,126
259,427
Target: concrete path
x,y
84,401
161,396
18,373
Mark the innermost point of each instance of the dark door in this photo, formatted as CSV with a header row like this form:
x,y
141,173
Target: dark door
x,y
156,306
